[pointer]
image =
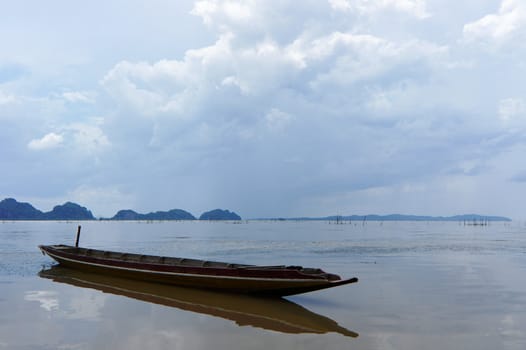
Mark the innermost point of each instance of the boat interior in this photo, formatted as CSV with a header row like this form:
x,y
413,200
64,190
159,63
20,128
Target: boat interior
x,y
174,261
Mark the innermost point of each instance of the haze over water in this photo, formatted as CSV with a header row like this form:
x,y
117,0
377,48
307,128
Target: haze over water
x,y
422,286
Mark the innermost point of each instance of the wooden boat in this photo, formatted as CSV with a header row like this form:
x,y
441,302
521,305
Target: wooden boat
x,y
239,278
275,314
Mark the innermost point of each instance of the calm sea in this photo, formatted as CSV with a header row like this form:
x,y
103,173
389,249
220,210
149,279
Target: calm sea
x,y
422,286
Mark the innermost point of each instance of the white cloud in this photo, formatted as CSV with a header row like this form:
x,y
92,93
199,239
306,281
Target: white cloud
x,y
341,5
349,58
222,71
415,8
79,96
512,111
214,11
79,137
237,10
88,138
278,120
178,88
48,141
510,18
124,83
205,9
6,98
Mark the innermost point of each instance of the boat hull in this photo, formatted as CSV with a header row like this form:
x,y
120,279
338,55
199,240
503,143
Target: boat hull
x,y
241,279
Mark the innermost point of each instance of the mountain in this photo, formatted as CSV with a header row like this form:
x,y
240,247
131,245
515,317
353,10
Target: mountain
x,y
219,214
69,211
10,209
174,214
126,214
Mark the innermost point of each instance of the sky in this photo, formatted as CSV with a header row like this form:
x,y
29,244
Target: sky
x,y
266,108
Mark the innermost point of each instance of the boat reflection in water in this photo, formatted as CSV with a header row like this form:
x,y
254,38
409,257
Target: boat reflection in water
x,y
276,314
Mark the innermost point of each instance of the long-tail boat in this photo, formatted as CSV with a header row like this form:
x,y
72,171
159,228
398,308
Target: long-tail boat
x,y
278,280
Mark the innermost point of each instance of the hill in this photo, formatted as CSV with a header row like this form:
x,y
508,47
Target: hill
x,y
174,214
69,211
10,209
219,214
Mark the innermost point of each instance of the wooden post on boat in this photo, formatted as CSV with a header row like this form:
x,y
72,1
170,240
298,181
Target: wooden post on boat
x,y
78,236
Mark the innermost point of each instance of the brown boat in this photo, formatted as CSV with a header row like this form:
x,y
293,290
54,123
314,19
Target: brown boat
x,y
239,278
275,314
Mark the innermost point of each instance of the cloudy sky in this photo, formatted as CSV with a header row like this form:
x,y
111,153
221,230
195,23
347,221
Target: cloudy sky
x,y
266,108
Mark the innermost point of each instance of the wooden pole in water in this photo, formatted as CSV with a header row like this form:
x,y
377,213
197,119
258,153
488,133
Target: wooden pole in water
x,y
78,236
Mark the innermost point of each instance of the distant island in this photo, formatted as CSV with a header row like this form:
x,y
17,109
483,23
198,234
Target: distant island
x,y
174,214
398,217
11,209
218,214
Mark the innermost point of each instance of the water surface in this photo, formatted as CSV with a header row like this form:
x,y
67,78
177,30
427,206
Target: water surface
x,y
422,286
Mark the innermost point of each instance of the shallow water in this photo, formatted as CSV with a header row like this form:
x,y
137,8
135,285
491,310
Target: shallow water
x,y
422,286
